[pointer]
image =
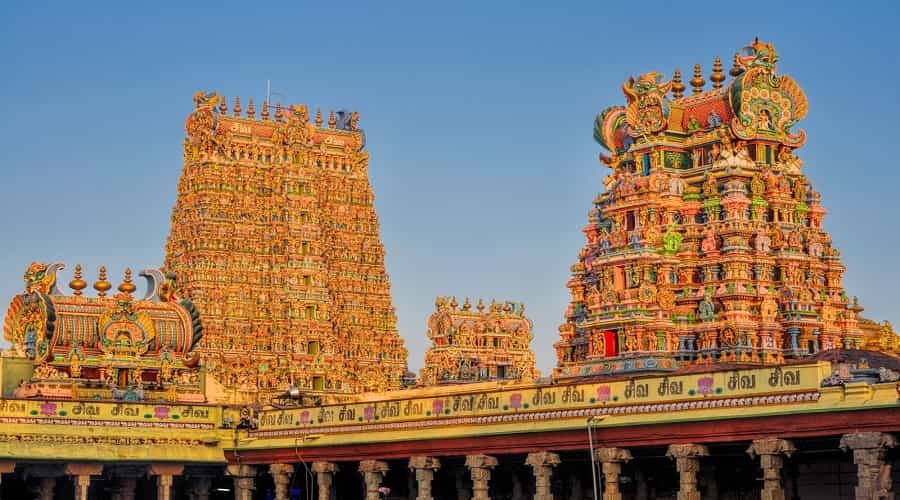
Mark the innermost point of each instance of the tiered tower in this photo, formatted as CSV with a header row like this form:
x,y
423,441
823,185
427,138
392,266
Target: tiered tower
x,y
275,237
707,244
476,345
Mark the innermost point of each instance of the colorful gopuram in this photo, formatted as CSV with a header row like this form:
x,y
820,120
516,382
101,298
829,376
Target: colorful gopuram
x,y
101,348
275,237
477,345
706,245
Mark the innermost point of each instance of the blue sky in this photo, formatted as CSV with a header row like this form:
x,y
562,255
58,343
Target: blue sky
x,y
478,117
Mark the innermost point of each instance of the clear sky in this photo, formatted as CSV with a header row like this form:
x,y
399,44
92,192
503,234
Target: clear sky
x,y
478,117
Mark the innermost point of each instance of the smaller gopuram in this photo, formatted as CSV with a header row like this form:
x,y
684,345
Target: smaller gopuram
x,y
487,343
117,348
706,245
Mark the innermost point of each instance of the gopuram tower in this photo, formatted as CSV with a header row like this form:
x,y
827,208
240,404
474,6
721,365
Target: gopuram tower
x,y
706,246
275,238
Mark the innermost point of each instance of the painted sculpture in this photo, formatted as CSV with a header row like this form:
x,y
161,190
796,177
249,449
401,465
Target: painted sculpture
x,y
707,244
275,237
117,347
487,343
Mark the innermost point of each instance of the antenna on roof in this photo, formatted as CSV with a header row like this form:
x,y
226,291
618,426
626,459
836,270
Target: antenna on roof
x,y
269,91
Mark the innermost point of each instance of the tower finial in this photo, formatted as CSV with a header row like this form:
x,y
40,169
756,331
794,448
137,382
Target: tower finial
x,y
127,287
736,68
77,284
251,111
717,77
265,110
101,285
698,82
331,120
319,117
223,106
236,110
279,114
677,86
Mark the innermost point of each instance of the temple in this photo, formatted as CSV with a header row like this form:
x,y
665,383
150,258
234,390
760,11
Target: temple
x,y
275,238
709,349
478,345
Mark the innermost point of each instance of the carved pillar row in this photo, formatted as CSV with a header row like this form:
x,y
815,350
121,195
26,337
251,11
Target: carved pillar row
x,y
873,474
424,468
480,469
771,458
373,473
612,460
244,476
81,476
281,476
542,464
687,462
165,474
324,477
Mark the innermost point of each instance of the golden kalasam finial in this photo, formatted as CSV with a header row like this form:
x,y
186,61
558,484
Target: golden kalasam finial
x,y
717,77
698,82
236,110
251,111
331,121
278,113
77,284
480,305
453,303
101,285
223,107
467,304
265,110
677,86
736,68
126,286
319,117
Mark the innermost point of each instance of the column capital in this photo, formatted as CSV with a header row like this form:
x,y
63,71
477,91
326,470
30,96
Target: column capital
x,y
481,461
281,469
613,455
373,466
867,441
241,471
7,467
324,467
687,451
165,470
542,459
423,462
771,446
84,469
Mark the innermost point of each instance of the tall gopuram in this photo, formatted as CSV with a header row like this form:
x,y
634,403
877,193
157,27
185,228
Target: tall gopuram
x,y
706,245
488,343
275,238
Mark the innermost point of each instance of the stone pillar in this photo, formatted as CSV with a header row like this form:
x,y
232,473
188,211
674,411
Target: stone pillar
x,y
165,474
199,488
480,469
640,485
281,476
46,488
462,492
324,477
687,461
771,453
424,468
124,488
873,474
542,464
612,460
373,473
81,476
244,476
6,468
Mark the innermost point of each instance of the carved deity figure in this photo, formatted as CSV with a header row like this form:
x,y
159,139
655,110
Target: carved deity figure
x,y
762,241
709,245
707,309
